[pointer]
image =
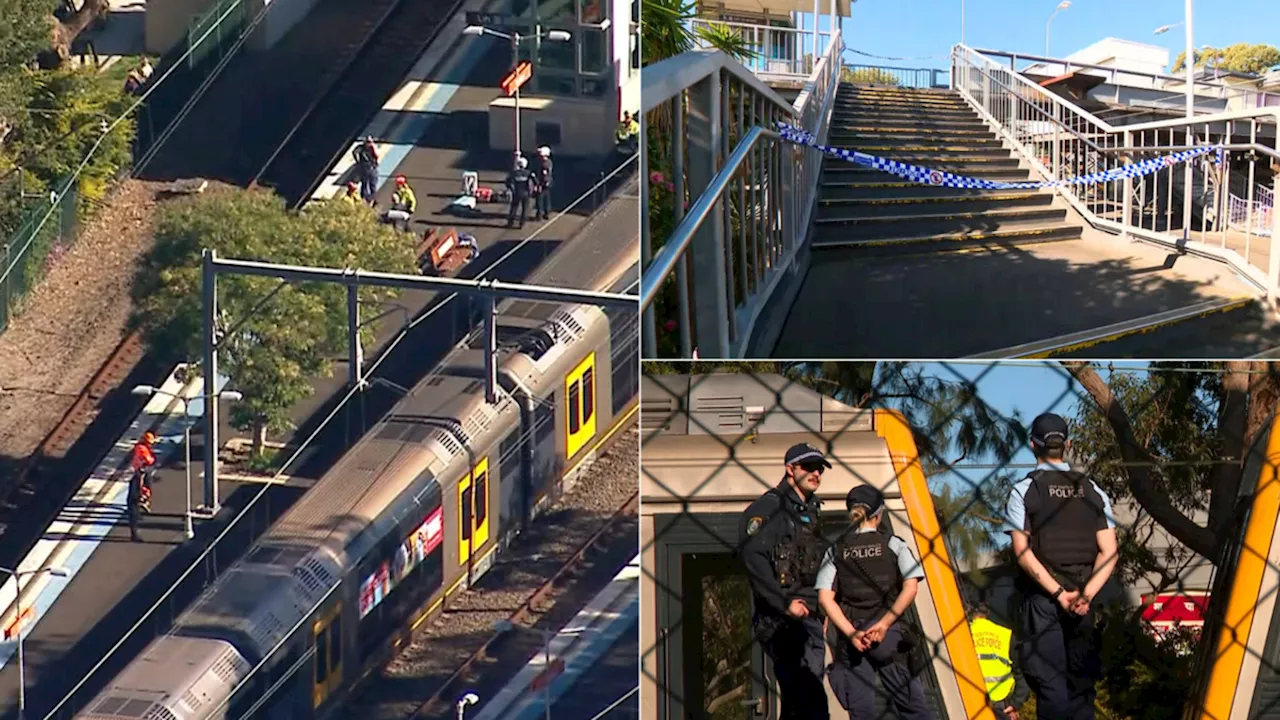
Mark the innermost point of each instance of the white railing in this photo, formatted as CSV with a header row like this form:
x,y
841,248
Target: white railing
x,y
1244,216
1059,140
783,53
1171,89
749,198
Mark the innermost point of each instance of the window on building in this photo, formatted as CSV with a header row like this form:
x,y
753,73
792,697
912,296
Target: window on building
x,y
595,58
591,12
556,11
556,55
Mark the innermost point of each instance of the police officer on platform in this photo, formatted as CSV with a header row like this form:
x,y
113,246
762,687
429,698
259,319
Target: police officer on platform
x,y
1064,538
1006,686
781,546
867,581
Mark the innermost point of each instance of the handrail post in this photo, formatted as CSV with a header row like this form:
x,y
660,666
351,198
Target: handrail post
x,y
1273,257
1128,193
710,309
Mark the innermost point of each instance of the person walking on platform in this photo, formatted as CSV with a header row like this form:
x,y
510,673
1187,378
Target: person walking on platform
x,y
781,546
542,208
1006,686
1064,538
867,582
520,183
142,462
366,156
134,501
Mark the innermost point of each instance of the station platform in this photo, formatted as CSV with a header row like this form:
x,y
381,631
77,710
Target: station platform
x,y
593,663
430,130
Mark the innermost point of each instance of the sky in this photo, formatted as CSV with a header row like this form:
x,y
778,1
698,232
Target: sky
x,y
920,28
1027,388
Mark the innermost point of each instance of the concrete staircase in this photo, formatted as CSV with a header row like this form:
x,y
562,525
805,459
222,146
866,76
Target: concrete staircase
x,y
865,210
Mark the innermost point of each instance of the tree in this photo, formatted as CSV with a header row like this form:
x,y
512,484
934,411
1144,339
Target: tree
x,y
877,76
1241,57
276,345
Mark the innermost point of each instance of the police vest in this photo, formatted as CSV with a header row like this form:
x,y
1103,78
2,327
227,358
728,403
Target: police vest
x,y
1064,524
992,644
798,555
867,575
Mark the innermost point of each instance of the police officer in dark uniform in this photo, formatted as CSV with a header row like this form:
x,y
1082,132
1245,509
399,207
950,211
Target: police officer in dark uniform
x,y
1064,537
781,545
520,183
867,581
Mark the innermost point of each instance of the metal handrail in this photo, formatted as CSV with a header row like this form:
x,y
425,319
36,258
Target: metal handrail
x,y
667,78
664,263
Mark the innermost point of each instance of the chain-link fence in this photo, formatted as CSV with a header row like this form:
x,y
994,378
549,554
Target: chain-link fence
x,y
1155,515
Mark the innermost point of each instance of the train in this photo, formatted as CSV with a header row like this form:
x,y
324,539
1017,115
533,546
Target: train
x,y
1236,671
416,510
711,444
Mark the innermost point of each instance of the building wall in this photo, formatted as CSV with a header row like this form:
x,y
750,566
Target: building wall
x,y
165,22
1124,54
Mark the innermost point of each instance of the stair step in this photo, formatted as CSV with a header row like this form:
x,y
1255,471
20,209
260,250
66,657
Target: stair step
x,y
830,239
940,142
937,204
878,102
863,109
907,223
858,89
958,151
872,187
959,165
915,125
908,132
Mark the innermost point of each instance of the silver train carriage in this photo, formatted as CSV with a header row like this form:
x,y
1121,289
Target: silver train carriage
x,y
425,499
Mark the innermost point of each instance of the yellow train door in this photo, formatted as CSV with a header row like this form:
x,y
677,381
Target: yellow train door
x,y
580,405
473,509
327,633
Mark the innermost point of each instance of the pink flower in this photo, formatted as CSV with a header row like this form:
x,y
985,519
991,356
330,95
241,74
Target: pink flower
x,y
671,187
670,326
656,177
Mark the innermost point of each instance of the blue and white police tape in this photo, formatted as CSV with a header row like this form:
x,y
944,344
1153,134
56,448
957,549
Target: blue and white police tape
x,y
927,176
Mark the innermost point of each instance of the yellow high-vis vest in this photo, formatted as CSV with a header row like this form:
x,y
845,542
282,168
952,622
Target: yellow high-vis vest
x,y
992,643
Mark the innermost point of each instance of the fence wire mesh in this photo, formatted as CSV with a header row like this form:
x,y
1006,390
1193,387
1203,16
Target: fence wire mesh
x,y
1183,456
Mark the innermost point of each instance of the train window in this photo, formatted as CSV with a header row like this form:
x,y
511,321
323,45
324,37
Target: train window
x,y
588,394
482,489
322,657
575,420
328,655
580,405
464,502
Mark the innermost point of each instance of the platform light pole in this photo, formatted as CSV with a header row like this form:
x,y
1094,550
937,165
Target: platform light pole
x,y
1188,65
515,39
1061,6
463,702
150,391
17,576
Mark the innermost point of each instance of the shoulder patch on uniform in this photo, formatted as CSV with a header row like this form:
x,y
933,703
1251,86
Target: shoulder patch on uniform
x,y
753,525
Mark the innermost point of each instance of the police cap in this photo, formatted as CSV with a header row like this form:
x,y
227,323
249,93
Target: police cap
x,y
1049,431
804,454
865,495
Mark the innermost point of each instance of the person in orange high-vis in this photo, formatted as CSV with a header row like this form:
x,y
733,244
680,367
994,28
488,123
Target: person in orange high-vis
x,y
142,462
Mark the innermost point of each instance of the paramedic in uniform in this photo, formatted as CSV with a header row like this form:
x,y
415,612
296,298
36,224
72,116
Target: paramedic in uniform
x,y
868,580
1006,686
1064,539
781,546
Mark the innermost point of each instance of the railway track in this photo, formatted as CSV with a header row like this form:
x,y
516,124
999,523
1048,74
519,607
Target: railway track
x,y
568,555
348,94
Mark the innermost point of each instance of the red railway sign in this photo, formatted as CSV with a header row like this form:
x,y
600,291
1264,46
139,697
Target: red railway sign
x,y
518,76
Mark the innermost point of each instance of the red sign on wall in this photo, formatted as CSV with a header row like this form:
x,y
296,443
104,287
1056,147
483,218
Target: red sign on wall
x,y
1164,612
